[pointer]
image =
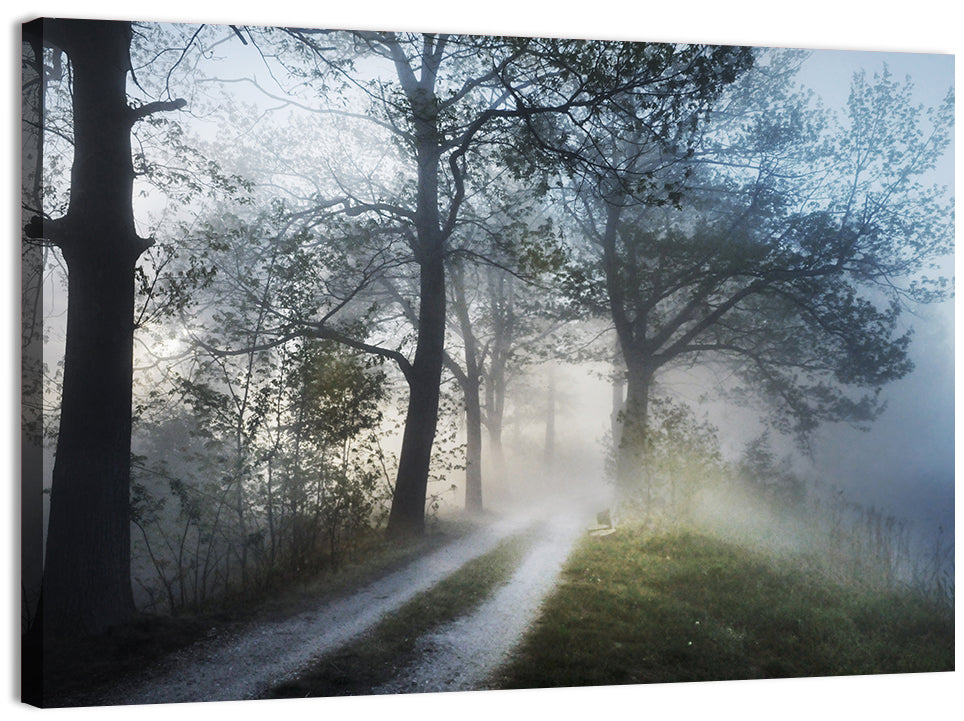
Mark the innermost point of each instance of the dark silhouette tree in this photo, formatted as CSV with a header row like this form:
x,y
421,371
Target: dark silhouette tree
x,y
87,582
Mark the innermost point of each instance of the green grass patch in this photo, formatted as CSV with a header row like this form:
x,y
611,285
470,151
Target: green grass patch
x,y
377,656
635,608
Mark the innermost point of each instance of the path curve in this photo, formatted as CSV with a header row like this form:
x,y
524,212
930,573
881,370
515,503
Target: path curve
x,y
259,658
464,653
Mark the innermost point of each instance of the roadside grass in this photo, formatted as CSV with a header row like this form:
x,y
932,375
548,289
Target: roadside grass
x,y
79,671
633,607
377,656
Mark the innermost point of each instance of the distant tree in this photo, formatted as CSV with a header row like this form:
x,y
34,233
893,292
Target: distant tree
x,y
772,478
500,331
87,583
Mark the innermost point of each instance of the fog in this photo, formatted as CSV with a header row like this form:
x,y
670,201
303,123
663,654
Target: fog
x,y
905,463
556,443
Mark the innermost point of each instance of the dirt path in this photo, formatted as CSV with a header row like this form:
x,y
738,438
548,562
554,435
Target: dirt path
x,y
246,665
463,654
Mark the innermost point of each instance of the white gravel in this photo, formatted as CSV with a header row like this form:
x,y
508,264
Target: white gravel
x,y
463,654
244,666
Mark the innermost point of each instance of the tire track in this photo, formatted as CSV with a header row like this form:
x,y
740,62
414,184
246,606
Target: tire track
x,y
463,654
246,665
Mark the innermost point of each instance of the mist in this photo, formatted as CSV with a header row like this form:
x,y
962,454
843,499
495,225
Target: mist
x,y
414,307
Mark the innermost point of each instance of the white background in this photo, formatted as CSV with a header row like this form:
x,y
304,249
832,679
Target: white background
x,y
929,26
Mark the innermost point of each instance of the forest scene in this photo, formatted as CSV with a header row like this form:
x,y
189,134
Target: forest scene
x,y
368,362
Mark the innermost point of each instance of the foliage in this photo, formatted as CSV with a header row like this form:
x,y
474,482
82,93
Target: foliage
x,y
287,485
683,456
771,479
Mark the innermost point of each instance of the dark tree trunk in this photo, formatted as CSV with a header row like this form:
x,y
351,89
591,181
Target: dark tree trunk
x,y
631,453
407,515
502,316
494,422
631,335
619,402
473,448
471,383
87,583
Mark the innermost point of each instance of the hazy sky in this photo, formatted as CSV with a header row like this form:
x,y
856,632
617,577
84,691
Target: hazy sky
x,y
906,463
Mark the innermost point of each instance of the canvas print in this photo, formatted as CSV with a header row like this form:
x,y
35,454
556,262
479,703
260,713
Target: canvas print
x,y
368,362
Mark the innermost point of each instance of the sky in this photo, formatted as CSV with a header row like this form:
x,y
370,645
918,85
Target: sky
x,y
905,465
921,26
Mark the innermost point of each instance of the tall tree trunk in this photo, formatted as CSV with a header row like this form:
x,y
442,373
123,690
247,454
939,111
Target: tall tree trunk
x,y
495,421
473,448
87,582
619,397
631,335
631,455
619,402
407,515
470,381
502,316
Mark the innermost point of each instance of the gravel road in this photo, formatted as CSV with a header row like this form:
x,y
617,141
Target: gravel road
x,y
250,662
461,655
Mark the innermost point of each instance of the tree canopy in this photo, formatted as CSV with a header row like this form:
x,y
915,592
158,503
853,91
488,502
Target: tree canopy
x,y
361,241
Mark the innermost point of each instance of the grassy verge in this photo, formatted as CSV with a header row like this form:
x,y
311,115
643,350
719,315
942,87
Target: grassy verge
x,y
376,657
79,671
682,607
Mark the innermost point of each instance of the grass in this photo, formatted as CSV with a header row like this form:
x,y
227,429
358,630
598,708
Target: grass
x,y
381,653
636,608
79,671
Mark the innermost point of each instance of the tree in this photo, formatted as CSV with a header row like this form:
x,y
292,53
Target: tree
x,y
458,102
682,456
507,318
788,258
772,479
86,585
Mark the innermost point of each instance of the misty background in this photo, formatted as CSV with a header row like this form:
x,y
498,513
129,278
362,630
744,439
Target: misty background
x,y
902,467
